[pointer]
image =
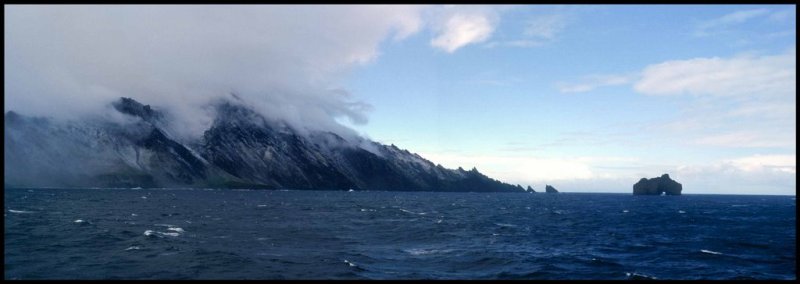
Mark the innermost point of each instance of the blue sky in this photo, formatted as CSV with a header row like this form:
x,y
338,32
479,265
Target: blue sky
x,y
586,98
560,95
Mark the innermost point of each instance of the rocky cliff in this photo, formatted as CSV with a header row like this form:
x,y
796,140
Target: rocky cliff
x,y
241,149
657,186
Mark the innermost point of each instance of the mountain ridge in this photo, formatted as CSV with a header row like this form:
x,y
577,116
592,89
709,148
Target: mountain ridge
x,y
240,149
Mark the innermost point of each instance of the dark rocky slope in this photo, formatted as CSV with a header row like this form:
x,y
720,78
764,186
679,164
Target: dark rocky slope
x,y
657,186
241,149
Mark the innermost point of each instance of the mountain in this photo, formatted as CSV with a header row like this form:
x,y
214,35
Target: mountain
x,y
241,149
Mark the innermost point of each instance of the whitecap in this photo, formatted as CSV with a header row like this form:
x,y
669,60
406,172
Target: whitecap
x,y
20,211
710,252
505,225
138,187
133,248
262,205
427,251
350,263
422,213
638,275
144,197
134,214
176,229
681,211
625,211
79,221
159,234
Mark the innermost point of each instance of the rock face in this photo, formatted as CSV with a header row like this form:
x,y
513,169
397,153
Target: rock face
x,y
241,149
530,189
550,189
657,186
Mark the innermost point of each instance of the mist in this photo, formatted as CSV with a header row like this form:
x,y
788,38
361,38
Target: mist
x,y
287,62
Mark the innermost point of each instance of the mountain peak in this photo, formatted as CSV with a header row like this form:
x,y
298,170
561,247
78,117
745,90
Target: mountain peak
x,y
132,107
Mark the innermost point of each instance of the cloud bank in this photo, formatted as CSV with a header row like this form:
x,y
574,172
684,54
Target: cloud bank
x,y
67,61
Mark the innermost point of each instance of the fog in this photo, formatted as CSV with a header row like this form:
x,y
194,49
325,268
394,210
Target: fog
x,y
287,62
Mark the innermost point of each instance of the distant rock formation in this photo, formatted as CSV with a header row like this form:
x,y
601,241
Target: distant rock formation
x,y
657,186
550,189
530,189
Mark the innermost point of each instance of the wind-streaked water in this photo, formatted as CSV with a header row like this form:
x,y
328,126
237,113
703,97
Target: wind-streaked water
x,y
234,234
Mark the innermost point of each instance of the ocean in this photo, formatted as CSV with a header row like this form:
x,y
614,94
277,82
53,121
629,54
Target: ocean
x,y
259,234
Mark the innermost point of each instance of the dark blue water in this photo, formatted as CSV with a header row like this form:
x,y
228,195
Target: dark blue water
x,y
227,234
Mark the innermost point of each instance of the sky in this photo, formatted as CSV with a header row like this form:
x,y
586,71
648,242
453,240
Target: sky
x,y
585,98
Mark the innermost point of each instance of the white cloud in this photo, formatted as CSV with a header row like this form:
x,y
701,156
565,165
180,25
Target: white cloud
x,y
516,169
516,43
521,169
594,81
741,75
461,28
784,15
545,27
538,31
715,25
745,101
780,163
754,138
729,22
762,174
288,61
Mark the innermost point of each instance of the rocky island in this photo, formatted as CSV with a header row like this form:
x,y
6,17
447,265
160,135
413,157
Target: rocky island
x,y
657,186
549,189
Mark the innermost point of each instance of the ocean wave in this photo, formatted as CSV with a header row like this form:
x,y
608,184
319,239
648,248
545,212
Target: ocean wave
x,y
20,211
427,251
160,234
176,229
421,213
710,252
639,276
